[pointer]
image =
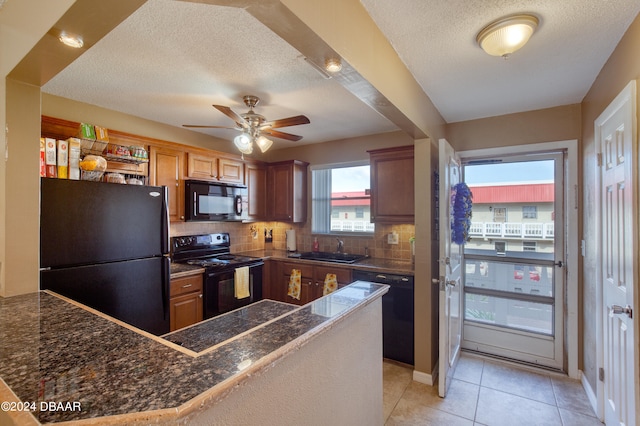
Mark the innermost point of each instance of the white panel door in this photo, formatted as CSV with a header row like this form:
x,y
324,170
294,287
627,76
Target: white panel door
x,y
450,272
618,164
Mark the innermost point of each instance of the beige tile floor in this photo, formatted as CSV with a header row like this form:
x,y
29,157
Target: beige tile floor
x,y
486,392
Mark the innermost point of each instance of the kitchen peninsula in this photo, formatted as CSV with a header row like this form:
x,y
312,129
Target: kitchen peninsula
x,y
315,364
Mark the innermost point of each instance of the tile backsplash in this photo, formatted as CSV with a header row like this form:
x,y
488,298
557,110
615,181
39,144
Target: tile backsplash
x,y
242,237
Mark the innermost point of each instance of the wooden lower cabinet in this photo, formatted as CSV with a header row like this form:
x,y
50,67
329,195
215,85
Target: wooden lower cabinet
x,y
185,303
312,282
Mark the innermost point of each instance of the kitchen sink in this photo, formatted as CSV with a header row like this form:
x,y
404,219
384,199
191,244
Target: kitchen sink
x,y
326,256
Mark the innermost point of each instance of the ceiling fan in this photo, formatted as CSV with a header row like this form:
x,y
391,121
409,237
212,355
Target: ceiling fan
x,y
254,126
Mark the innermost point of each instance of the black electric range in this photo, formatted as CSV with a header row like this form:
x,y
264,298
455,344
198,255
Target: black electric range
x,y
213,252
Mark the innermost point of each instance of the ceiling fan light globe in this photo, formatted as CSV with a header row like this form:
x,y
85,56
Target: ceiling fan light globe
x,y
243,143
263,143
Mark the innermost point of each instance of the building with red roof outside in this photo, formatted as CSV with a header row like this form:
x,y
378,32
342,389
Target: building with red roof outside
x,y
351,211
513,217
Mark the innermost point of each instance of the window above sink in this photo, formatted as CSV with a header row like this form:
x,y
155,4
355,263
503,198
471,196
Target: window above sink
x,y
341,200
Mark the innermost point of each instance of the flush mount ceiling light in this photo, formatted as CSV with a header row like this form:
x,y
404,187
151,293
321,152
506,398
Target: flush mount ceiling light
x,y
333,65
506,35
71,40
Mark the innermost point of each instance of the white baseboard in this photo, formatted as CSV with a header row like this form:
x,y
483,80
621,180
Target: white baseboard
x,y
427,379
591,396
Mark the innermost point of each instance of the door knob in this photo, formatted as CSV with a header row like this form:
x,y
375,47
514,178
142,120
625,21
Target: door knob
x,y
618,310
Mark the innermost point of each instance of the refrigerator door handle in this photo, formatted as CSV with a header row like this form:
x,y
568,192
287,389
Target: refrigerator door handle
x,y
166,285
165,222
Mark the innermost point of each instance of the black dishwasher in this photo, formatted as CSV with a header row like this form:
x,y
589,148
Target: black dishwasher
x,y
397,314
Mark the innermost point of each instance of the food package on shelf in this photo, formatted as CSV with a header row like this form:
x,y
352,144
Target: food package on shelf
x,y
43,165
115,178
119,151
63,160
102,139
74,158
50,157
87,131
134,181
93,167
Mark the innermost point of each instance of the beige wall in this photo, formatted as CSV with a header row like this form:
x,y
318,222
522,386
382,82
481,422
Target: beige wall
x,y
20,30
545,125
622,67
55,106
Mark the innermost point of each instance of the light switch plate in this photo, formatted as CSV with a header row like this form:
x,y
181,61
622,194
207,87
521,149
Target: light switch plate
x,y
392,238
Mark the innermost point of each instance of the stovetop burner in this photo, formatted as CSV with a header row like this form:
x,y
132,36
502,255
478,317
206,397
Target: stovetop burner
x,y
208,251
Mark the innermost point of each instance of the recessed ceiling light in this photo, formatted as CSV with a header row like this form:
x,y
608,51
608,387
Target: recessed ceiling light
x,y
333,65
71,40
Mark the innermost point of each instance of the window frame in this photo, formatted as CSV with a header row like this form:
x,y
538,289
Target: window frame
x,y
529,212
333,166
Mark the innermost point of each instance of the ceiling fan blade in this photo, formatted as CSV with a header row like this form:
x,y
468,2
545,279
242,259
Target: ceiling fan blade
x,y
197,126
232,115
281,135
286,122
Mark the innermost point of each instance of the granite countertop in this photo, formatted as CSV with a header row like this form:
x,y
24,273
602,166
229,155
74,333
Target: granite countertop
x,y
182,270
368,264
52,349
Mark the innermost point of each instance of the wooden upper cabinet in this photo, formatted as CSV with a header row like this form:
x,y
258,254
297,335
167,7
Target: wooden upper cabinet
x,y
202,167
392,185
167,168
215,169
231,171
255,177
287,191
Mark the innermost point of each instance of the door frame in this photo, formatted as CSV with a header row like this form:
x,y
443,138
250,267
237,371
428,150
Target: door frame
x,y
629,91
572,216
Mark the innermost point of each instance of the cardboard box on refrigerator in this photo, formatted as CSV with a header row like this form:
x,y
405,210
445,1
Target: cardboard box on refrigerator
x,y
43,165
74,158
63,160
50,157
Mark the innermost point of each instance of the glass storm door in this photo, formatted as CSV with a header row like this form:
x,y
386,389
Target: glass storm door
x,y
513,263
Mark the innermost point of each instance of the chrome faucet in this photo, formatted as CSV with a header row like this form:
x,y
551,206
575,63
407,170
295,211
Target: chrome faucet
x,y
340,248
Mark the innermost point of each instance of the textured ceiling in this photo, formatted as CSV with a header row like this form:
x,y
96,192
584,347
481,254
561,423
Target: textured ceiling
x,y
171,60
436,41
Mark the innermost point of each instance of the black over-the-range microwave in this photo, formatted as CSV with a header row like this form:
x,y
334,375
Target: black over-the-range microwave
x,y
209,201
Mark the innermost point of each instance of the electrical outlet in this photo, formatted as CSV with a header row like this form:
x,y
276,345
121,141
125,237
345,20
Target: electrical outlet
x,y
392,238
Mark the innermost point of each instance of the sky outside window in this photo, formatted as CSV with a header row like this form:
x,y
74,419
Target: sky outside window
x,y
524,171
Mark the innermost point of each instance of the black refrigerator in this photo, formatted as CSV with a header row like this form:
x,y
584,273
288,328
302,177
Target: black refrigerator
x,y
106,246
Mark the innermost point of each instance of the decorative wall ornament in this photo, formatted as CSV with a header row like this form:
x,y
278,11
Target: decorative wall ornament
x,y
461,206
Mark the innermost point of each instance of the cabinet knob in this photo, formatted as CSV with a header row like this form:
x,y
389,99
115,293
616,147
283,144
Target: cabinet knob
x,y
176,183
182,217
200,296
